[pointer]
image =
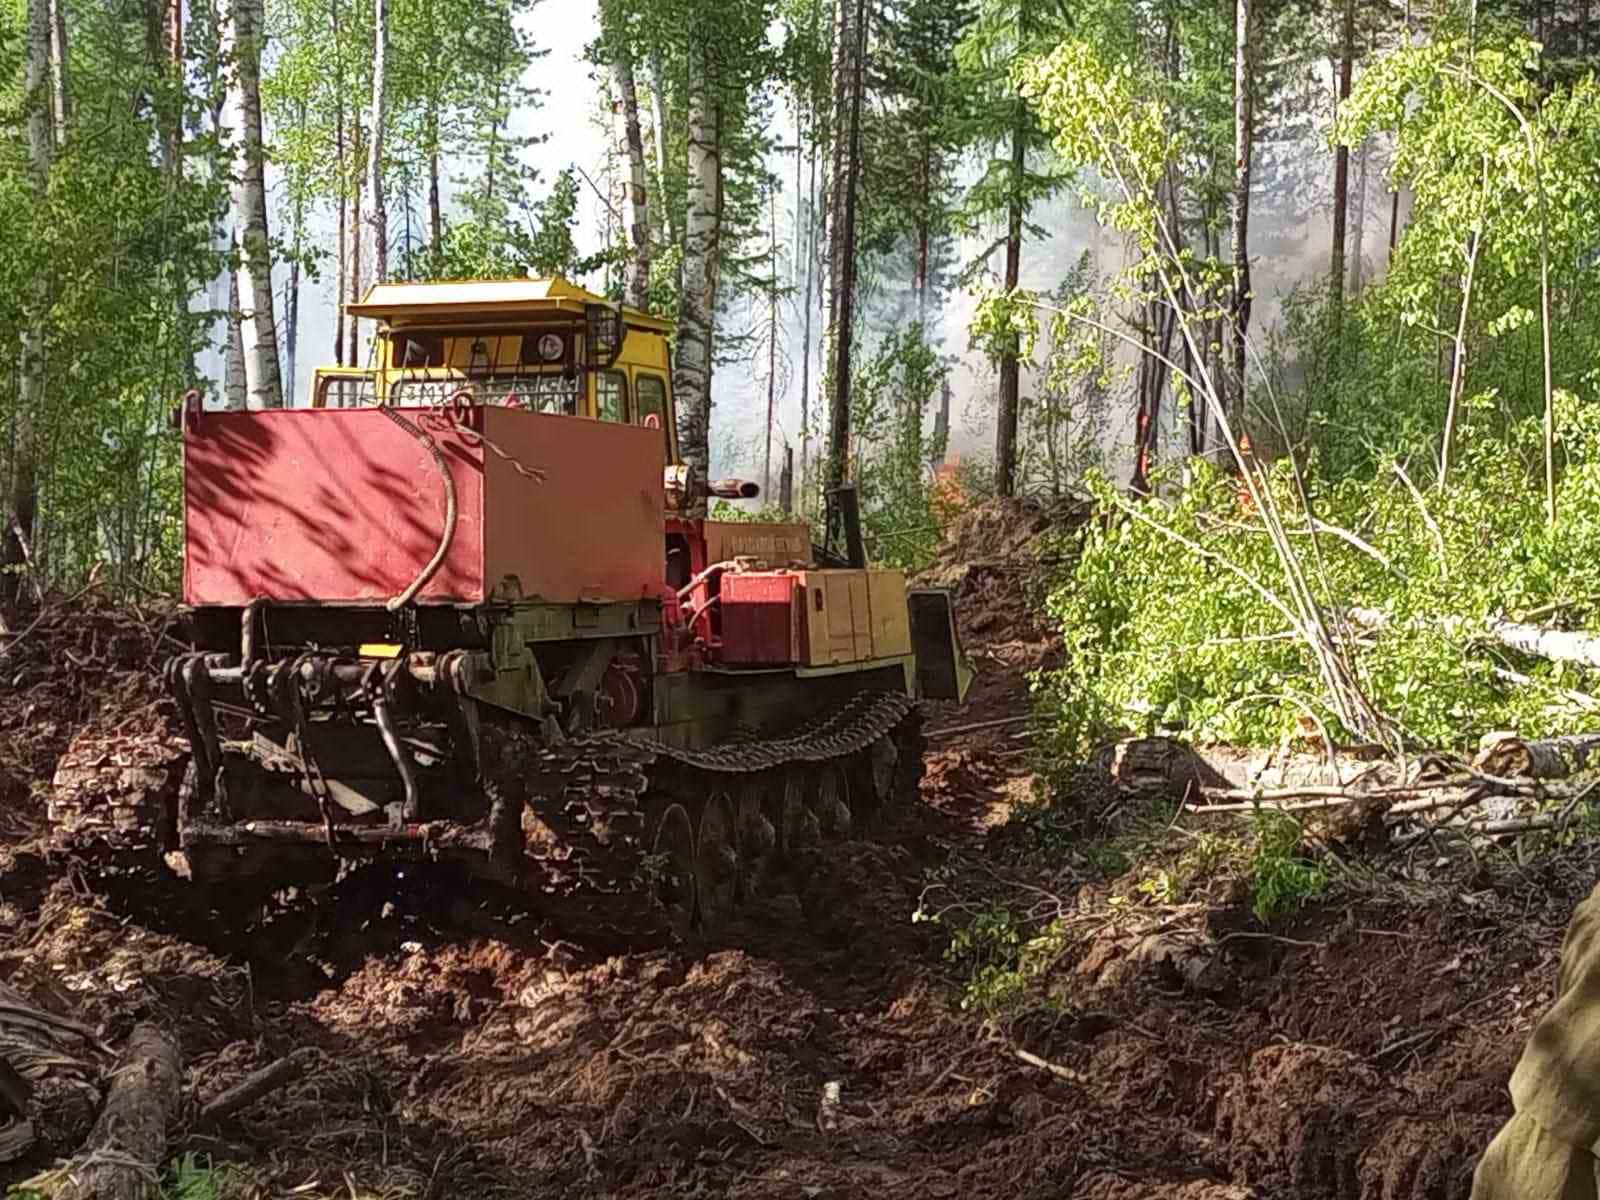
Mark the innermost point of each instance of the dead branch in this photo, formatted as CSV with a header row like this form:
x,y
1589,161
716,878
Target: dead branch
x,y
1056,1069
257,1085
976,727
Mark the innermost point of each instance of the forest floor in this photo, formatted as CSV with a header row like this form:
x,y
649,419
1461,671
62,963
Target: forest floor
x,y
1361,1050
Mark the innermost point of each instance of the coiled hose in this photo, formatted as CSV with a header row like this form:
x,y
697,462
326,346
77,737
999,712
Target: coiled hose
x,y
449,534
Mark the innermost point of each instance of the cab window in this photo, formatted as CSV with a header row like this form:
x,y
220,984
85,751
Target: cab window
x,y
611,396
652,404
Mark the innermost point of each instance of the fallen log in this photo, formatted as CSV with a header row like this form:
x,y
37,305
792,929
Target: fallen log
x,y
1166,766
122,1156
1514,757
257,1085
1557,645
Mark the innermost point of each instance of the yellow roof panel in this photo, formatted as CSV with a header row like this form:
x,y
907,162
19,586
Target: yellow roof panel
x,y
409,302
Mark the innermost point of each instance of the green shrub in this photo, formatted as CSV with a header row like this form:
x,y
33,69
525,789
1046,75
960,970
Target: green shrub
x,y
1281,879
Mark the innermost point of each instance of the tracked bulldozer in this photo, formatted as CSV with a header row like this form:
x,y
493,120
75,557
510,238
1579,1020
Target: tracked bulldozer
x,y
460,606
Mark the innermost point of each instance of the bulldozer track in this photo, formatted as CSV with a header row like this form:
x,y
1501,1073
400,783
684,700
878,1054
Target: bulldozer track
x,y
611,824
695,831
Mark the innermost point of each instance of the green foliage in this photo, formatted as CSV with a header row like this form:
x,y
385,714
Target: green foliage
x,y
1489,150
767,514
1281,878
911,143
192,1177
891,395
1161,630
104,264
999,958
486,243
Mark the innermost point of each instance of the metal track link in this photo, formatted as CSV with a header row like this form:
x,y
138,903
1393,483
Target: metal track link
x,y
590,798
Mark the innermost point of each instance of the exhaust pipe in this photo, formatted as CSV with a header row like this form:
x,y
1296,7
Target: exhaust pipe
x,y
733,489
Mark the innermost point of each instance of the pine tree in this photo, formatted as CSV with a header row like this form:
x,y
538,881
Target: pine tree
x,y
998,122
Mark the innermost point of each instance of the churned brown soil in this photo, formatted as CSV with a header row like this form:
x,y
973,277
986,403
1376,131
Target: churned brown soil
x,y
816,1049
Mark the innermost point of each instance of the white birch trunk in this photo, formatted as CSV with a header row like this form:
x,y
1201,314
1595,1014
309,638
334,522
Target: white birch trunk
x,y
242,34
235,391
697,315
1358,231
380,213
19,522
58,71
1243,137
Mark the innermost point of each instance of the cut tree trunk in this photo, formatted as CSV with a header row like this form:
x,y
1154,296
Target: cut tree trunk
x,y
1512,757
1557,645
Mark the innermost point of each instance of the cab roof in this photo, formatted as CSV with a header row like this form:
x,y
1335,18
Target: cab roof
x,y
463,300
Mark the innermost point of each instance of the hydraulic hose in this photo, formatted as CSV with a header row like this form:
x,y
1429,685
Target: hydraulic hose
x,y
448,535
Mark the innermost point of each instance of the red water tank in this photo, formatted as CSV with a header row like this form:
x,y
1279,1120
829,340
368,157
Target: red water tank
x,y
758,619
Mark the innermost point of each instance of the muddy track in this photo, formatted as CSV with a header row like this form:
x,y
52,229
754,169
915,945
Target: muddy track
x,y
814,1045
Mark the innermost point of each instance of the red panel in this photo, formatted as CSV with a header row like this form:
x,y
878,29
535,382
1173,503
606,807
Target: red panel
x,y
592,529
343,506
335,505
758,627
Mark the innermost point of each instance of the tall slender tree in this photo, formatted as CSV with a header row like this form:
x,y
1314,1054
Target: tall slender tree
x,y
1243,149
243,33
1341,162
376,126
617,48
697,307
15,538
849,84
1003,126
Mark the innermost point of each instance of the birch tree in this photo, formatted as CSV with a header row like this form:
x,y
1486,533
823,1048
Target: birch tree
x,y
849,84
242,32
1243,147
1002,126
375,135
31,398
618,49
692,371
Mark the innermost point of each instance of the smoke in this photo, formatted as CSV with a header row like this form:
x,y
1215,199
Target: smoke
x,y
1290,244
